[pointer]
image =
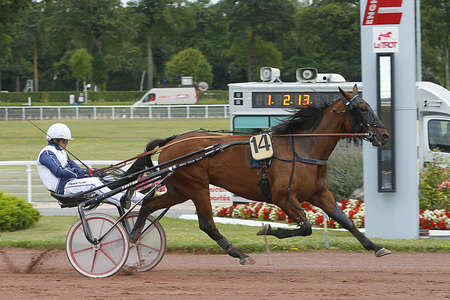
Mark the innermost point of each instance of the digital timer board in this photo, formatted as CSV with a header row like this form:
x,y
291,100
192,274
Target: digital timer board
x,y
291,99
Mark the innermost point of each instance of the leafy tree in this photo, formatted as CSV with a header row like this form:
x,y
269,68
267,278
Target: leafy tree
x,y
435,21
152,12
266,54
267,19
9,9
329,36
187,63
81,64
99,71
203,72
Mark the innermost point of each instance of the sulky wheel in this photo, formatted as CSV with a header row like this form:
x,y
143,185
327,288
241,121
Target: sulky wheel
x,y
103,259
149,249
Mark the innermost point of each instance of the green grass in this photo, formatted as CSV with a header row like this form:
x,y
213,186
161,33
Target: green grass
x,y
97,139
185,236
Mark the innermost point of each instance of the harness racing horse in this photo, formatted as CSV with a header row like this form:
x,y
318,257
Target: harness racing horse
x,y
298,171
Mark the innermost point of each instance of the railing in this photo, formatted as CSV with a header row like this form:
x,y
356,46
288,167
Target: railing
x,y
20,178
112,112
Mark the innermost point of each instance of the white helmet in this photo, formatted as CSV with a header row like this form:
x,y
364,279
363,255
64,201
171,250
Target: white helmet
x,y
59,131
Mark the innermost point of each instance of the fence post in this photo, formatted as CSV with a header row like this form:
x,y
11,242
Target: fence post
x,y
41,113
131,113
29,196
6,114
206,112
23,113
188,112
77,113
169,113
113,113
59,113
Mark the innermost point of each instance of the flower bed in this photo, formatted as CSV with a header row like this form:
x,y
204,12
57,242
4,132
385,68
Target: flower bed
x,y
354,209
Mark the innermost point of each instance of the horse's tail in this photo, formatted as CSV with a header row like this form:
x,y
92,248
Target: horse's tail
x,y
141,163
157,143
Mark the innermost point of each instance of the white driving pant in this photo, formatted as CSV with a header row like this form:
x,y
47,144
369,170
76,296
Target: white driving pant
x,y
85,184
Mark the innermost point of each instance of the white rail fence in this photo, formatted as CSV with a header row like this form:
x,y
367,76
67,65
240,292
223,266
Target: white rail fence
x,y
20,178
113,112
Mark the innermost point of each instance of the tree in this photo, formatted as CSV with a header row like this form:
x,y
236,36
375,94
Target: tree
x,y
329,38
189,62
99,71
266,54
435,15
81,64
152,11
203,72
252,18
9,9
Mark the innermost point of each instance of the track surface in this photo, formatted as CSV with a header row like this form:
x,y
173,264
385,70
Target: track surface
x,y
31,274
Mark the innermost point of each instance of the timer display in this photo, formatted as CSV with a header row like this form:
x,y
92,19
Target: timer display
x,y
290,99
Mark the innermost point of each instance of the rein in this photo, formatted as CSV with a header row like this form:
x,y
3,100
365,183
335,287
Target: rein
x,y
122,163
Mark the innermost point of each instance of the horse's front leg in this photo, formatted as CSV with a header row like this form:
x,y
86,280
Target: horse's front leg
x,y
206,224
292,207
326,202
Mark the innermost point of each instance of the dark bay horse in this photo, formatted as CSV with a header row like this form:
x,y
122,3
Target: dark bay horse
x,y
298,171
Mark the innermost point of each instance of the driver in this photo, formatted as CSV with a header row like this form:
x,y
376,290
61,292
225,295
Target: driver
x,y
63,176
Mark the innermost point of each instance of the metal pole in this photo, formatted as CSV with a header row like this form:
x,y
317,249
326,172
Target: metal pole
x,y
418,43
30,197
325,229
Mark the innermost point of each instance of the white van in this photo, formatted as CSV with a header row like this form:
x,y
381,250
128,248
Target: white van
x,y
179,95
186,93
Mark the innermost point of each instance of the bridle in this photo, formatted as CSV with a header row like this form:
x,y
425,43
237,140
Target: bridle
x,y
368,124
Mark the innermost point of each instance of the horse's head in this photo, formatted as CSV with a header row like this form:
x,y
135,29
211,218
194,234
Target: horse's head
x,y
362,118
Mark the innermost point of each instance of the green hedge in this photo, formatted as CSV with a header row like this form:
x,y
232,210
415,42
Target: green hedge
x,y
43,97
113,96
16,213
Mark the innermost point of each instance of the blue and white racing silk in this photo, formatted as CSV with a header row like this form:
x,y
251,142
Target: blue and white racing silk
x,y
55,168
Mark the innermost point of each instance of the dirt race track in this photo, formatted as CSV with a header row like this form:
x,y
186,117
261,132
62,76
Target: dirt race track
x,y
31,274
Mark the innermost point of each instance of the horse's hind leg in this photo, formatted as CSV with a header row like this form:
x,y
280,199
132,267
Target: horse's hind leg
x,y
206,224
329,205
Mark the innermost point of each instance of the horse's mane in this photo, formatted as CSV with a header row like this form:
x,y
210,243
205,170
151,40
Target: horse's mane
x,y
303,119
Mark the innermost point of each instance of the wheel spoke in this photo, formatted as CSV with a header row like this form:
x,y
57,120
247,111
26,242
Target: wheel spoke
x,y
109,257
101,228
82,250
110,242
138,253
93,261
147,246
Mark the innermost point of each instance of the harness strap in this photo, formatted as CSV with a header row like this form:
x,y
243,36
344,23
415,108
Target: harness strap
x,y
297,158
